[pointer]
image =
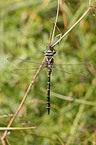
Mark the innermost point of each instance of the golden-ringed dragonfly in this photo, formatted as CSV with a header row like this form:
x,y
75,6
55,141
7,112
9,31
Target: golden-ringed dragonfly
x,y
28,67
49,65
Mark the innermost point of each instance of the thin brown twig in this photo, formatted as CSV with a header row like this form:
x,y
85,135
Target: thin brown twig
x,y
2,139
74,41
73,25
51,32
59,31
64,16
55,22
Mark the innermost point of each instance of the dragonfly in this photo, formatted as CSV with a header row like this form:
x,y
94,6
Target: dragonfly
x,y
49,64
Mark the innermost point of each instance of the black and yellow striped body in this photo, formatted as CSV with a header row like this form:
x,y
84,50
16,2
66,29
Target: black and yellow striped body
x,y
48,92
49,65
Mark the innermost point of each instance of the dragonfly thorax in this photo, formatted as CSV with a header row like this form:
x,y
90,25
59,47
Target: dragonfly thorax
x,y
50,51
49,57
49,62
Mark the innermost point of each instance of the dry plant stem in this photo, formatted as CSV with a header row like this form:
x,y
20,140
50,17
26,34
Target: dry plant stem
x,y
74,41
55,22
72,26
23,99
64,16
51,32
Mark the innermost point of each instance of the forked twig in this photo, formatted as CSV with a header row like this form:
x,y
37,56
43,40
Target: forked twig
x,y
74,25
2,139
55,22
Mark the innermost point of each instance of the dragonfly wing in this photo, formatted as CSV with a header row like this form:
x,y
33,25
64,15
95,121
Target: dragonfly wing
x,y
77,63
24,67
23,63
79,69
24,71
72,71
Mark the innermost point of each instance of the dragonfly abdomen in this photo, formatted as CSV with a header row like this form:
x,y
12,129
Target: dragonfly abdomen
x,y
48,92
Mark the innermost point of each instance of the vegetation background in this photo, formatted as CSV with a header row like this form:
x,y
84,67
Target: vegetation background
x,y
25,28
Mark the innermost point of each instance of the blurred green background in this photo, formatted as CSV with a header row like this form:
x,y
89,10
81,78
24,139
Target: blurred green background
x,y
25,28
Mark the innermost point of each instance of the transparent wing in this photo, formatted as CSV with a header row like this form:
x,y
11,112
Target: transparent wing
x,y
24,71
29,67
22,62
72,73
75,69
72,64
23,67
